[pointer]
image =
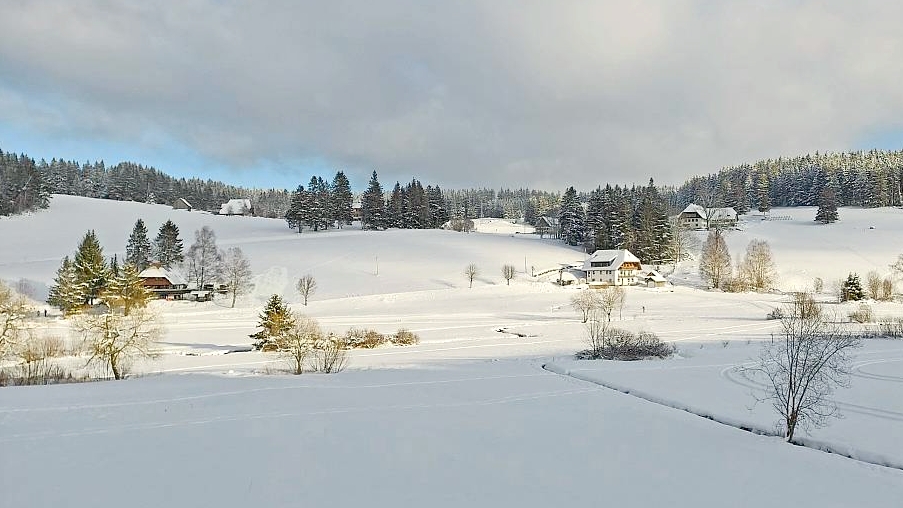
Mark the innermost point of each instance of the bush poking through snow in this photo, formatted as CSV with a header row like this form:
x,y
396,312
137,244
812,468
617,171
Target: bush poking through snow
x,y
364,339
776,313
329,355
618,344
863,314
368,339
405,337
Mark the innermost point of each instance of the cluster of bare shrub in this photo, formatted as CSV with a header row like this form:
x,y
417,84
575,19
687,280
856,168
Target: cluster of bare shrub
x,y
608,343
369,339
601,302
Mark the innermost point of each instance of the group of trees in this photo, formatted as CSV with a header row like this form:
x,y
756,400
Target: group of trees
x,y
408,207
321,205
90,277
755,272
634,218
298,338
22,185
866,178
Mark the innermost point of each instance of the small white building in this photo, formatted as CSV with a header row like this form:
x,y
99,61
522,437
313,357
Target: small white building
x,y
612,268
237,207
697,217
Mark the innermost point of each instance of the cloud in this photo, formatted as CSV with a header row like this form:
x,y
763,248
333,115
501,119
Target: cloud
x,y
495,93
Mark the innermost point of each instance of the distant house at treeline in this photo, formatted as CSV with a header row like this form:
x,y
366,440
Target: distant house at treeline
x,y
697,217
237,207
548,226
182,204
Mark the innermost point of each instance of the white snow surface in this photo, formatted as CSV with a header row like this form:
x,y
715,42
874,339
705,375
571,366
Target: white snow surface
x,y
468,416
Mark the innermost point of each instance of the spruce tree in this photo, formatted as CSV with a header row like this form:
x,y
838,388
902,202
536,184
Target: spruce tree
x,y
827,206
65,293
126,290
342,200
138,249
168,246
90,267
372,205
275,320
298,213
851,289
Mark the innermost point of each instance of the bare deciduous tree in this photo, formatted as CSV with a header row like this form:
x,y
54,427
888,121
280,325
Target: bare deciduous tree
x,y
586,302
757,269
596,327
683,241
611,297
470,272
508,272
873,285
298,341
236,273
887,289
204,259
715,261
804,366
115,340
330,355
306,286
13,313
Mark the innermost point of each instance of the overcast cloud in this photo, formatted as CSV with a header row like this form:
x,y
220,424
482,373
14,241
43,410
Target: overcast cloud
x,y
487,93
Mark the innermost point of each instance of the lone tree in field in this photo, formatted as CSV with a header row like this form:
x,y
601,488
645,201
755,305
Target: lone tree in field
x,y
138,249
827,206
237,273
804,365
204,258
586,302
275,320
306,285
757,268
715,261
116,340
611,297
470,273
509,272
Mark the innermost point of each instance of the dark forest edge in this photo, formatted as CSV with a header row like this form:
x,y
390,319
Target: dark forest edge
x,y
864,178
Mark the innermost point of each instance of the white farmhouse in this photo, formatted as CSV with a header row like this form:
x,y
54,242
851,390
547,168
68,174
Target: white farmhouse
x,y
697,217
612,268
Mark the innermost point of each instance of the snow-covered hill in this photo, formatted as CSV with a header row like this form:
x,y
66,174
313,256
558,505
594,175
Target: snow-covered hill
x,y
468,416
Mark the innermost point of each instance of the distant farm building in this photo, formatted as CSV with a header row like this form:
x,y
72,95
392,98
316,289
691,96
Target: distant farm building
x,y
697,217
548,226
182,204
164,283
612,268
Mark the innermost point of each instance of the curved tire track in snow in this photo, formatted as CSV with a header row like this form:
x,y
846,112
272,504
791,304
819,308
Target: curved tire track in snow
x,y
847,452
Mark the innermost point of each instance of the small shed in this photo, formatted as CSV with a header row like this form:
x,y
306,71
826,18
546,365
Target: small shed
x,y
653,279
237,207
182,204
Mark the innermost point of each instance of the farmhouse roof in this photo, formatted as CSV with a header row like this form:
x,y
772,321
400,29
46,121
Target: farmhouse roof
x,y
615,258
158,272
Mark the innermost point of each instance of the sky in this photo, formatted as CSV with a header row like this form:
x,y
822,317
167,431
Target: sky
x,y
492,93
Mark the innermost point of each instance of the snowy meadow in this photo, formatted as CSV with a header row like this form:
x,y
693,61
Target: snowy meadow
x,y
489,409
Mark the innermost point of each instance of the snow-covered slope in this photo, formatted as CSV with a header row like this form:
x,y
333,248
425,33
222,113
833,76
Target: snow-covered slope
x,y
465,417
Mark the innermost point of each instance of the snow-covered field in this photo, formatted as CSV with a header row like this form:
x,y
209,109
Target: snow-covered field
x,y
468,416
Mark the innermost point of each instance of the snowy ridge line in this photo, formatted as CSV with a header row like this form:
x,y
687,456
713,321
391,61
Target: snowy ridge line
x,y
849,452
